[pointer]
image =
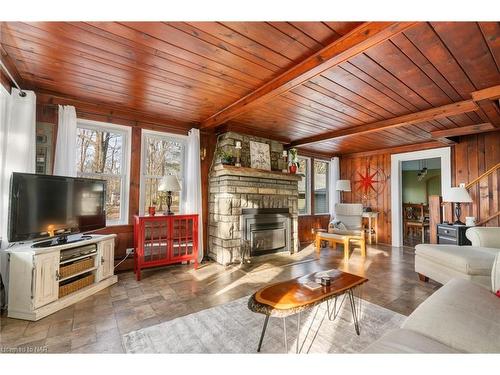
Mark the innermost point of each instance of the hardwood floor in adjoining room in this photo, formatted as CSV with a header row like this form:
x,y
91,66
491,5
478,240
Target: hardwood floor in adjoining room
x,y
96,324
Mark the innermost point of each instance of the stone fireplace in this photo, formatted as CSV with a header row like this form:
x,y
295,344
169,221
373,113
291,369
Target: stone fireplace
x,y
251,208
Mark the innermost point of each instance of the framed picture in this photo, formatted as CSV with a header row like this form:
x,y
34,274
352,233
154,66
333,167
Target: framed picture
x,y
260,155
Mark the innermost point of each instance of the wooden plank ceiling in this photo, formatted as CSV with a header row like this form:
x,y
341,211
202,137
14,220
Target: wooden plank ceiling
x,y
188,72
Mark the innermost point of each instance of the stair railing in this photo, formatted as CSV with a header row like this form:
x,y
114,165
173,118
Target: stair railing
x,y
475,181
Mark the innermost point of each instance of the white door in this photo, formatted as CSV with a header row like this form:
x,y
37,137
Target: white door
x,y
46,284
107,258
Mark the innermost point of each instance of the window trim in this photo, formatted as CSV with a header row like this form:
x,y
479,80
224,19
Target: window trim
x,y
144,133
126,132
308,187
327,187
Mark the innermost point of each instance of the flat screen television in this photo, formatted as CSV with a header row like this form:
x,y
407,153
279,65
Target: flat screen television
x,y
45,206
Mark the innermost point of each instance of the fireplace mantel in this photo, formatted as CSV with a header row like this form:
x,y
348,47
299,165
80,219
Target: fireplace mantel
x,y
231,170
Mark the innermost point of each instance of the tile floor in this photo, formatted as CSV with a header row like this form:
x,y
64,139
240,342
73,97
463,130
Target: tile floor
x,y
96,324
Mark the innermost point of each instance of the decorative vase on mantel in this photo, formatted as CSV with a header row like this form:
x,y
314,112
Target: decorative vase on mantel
x,y
293,158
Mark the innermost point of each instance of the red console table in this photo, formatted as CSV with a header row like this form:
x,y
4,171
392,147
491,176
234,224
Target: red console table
x,y
164,239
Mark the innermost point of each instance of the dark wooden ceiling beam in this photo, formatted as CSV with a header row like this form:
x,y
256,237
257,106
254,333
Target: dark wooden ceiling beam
x,y
362,38
409,119
394,150
464,130
447,141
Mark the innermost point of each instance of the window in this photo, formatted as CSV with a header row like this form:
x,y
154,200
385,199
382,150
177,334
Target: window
x,y
162,154
321,187
102,152
304,186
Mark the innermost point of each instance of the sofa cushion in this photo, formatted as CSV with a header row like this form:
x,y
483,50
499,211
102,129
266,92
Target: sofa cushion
x,y
465,259
442,274
461,315
406,341
339,235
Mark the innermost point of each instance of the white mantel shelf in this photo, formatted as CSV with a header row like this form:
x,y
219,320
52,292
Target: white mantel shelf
x,y
231,170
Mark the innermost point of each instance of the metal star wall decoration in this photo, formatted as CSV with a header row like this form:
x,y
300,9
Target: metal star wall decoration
x,y
370,182
366,181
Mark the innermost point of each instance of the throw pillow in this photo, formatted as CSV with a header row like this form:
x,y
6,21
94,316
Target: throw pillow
x,y
337,225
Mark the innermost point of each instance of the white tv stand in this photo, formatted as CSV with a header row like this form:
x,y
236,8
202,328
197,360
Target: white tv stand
x,y
35,280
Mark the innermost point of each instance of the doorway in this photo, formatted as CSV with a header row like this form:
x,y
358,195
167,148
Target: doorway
x,y
443,155
420,179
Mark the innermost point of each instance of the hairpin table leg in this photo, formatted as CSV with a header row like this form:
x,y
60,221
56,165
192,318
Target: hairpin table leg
x,y
284,334
263,332
298,332
354,311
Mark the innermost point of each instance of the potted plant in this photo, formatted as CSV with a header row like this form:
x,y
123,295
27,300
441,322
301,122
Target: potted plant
x,y
226,157
293,162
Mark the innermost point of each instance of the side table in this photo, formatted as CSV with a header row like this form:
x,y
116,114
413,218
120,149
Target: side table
x,y
372,225
449,234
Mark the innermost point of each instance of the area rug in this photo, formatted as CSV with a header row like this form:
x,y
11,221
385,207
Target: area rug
x,y
232,328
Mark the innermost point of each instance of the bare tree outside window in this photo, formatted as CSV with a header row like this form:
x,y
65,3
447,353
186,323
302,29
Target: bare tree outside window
x,y
163,155
303,169
100,155
321,195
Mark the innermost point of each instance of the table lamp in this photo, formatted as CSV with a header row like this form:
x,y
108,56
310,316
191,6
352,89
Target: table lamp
x,y
169,184
458,195
343,185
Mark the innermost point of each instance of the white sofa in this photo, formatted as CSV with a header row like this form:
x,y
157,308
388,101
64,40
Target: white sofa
x,y
461,317
445,262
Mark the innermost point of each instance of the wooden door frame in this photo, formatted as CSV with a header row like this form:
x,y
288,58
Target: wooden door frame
x,y
444,153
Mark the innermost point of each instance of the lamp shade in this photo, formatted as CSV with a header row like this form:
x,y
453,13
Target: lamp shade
x,y
169,183
343,185
458,194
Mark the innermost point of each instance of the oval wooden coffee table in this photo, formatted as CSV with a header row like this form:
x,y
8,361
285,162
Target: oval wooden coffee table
x,y
291,297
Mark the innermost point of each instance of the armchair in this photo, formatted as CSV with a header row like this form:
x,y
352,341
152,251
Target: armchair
x,y
347,219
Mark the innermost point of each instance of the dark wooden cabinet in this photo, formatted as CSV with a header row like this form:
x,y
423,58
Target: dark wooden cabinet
x,y
452,235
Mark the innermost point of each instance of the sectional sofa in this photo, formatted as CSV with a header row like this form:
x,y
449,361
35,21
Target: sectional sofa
x,y
463,316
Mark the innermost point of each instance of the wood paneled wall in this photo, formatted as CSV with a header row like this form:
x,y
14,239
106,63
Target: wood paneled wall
x,y
382,202
208,143
471,156
307,225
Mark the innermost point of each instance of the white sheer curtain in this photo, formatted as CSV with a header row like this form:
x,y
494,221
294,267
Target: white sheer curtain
x,y
17,154
65,156
17,144
334,176
192,184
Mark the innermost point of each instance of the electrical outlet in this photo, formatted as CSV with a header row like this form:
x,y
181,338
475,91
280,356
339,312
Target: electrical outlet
x,y
462,185
129,251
